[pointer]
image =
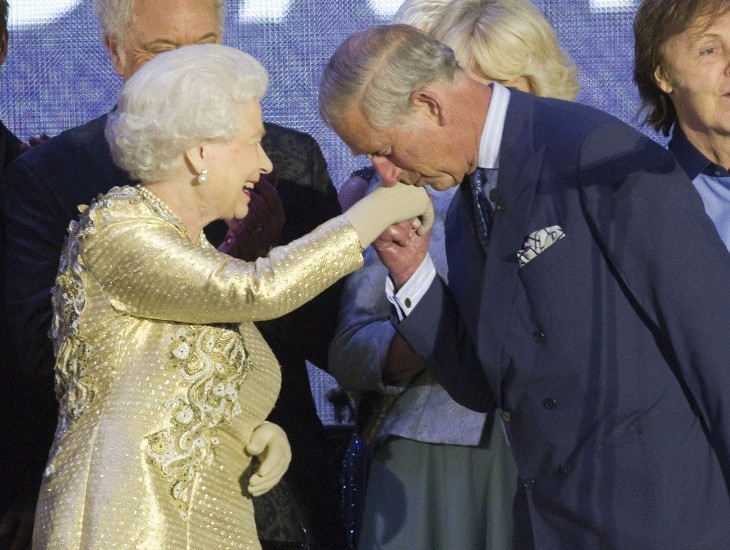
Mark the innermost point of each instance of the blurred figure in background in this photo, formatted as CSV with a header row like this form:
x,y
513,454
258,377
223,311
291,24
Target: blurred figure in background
x,y
9,144
427,449
10,147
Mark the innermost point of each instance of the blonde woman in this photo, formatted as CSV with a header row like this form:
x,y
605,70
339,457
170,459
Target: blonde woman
x,y
507,41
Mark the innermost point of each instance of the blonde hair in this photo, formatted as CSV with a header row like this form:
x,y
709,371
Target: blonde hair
x,y
503,40
419,13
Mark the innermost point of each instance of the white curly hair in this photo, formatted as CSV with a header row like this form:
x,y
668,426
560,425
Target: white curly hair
x,y
177,100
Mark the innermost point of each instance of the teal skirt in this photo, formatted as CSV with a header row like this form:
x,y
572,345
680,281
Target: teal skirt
x,y
423,496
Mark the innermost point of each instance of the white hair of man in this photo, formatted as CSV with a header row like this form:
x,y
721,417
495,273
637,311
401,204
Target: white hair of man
x,y
177,100
115,16
381,81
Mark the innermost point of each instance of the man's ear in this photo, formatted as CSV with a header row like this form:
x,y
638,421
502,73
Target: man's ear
x,y
115,54
662,80
4,37
432,103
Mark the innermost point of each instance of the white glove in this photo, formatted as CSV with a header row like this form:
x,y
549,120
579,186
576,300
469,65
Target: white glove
x,y
373,214
271,446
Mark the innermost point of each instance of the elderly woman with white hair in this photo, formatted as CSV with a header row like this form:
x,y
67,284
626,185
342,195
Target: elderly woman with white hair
x,y
163,380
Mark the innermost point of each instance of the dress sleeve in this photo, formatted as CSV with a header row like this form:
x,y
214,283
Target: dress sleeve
x,y
148,269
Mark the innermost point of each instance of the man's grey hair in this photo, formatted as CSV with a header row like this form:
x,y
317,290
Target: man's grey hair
x,y
115,16
177,100
378,70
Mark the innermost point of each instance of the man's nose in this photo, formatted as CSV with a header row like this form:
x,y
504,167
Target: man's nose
x,y
389,172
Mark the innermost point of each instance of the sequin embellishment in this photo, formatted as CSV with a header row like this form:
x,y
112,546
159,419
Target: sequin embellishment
x,y
212,363
74,385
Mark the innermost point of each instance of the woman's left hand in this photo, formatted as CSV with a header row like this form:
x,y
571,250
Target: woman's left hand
x,y
271,446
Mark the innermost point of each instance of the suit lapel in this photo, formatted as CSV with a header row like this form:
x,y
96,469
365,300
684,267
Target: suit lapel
x,y
520,163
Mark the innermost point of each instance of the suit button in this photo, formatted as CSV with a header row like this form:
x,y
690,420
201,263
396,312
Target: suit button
x,y
528,484
550,403
538,336
566,468
506,416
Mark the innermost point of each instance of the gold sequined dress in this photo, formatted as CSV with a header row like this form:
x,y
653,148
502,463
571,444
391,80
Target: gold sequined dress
x,y
162,376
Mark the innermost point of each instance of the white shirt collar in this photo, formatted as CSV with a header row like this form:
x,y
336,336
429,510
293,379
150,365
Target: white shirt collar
x,y
491,139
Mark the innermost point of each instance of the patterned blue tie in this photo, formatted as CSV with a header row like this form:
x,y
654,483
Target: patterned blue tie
x,y
482,206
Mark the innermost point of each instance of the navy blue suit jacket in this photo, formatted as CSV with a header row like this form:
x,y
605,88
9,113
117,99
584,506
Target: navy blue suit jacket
x,y
608,351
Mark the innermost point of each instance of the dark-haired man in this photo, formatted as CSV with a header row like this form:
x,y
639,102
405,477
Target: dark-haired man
x,y
682,70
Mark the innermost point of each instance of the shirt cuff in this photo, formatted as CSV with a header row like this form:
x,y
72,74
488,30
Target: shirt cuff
x,y
413,290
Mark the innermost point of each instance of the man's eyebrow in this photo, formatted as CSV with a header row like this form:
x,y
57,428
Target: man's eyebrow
x,y
166,42
207,36
159,42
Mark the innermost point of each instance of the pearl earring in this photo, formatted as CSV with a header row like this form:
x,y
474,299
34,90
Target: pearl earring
x,y
203,176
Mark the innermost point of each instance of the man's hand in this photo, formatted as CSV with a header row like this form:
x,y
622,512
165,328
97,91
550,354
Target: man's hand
x,y
402,249
253,236
271,446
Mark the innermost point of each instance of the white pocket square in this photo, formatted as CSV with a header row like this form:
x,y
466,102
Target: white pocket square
x,y
537,241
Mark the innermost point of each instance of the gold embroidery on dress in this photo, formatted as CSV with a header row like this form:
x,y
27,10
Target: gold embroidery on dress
x,y
74,386
212,362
